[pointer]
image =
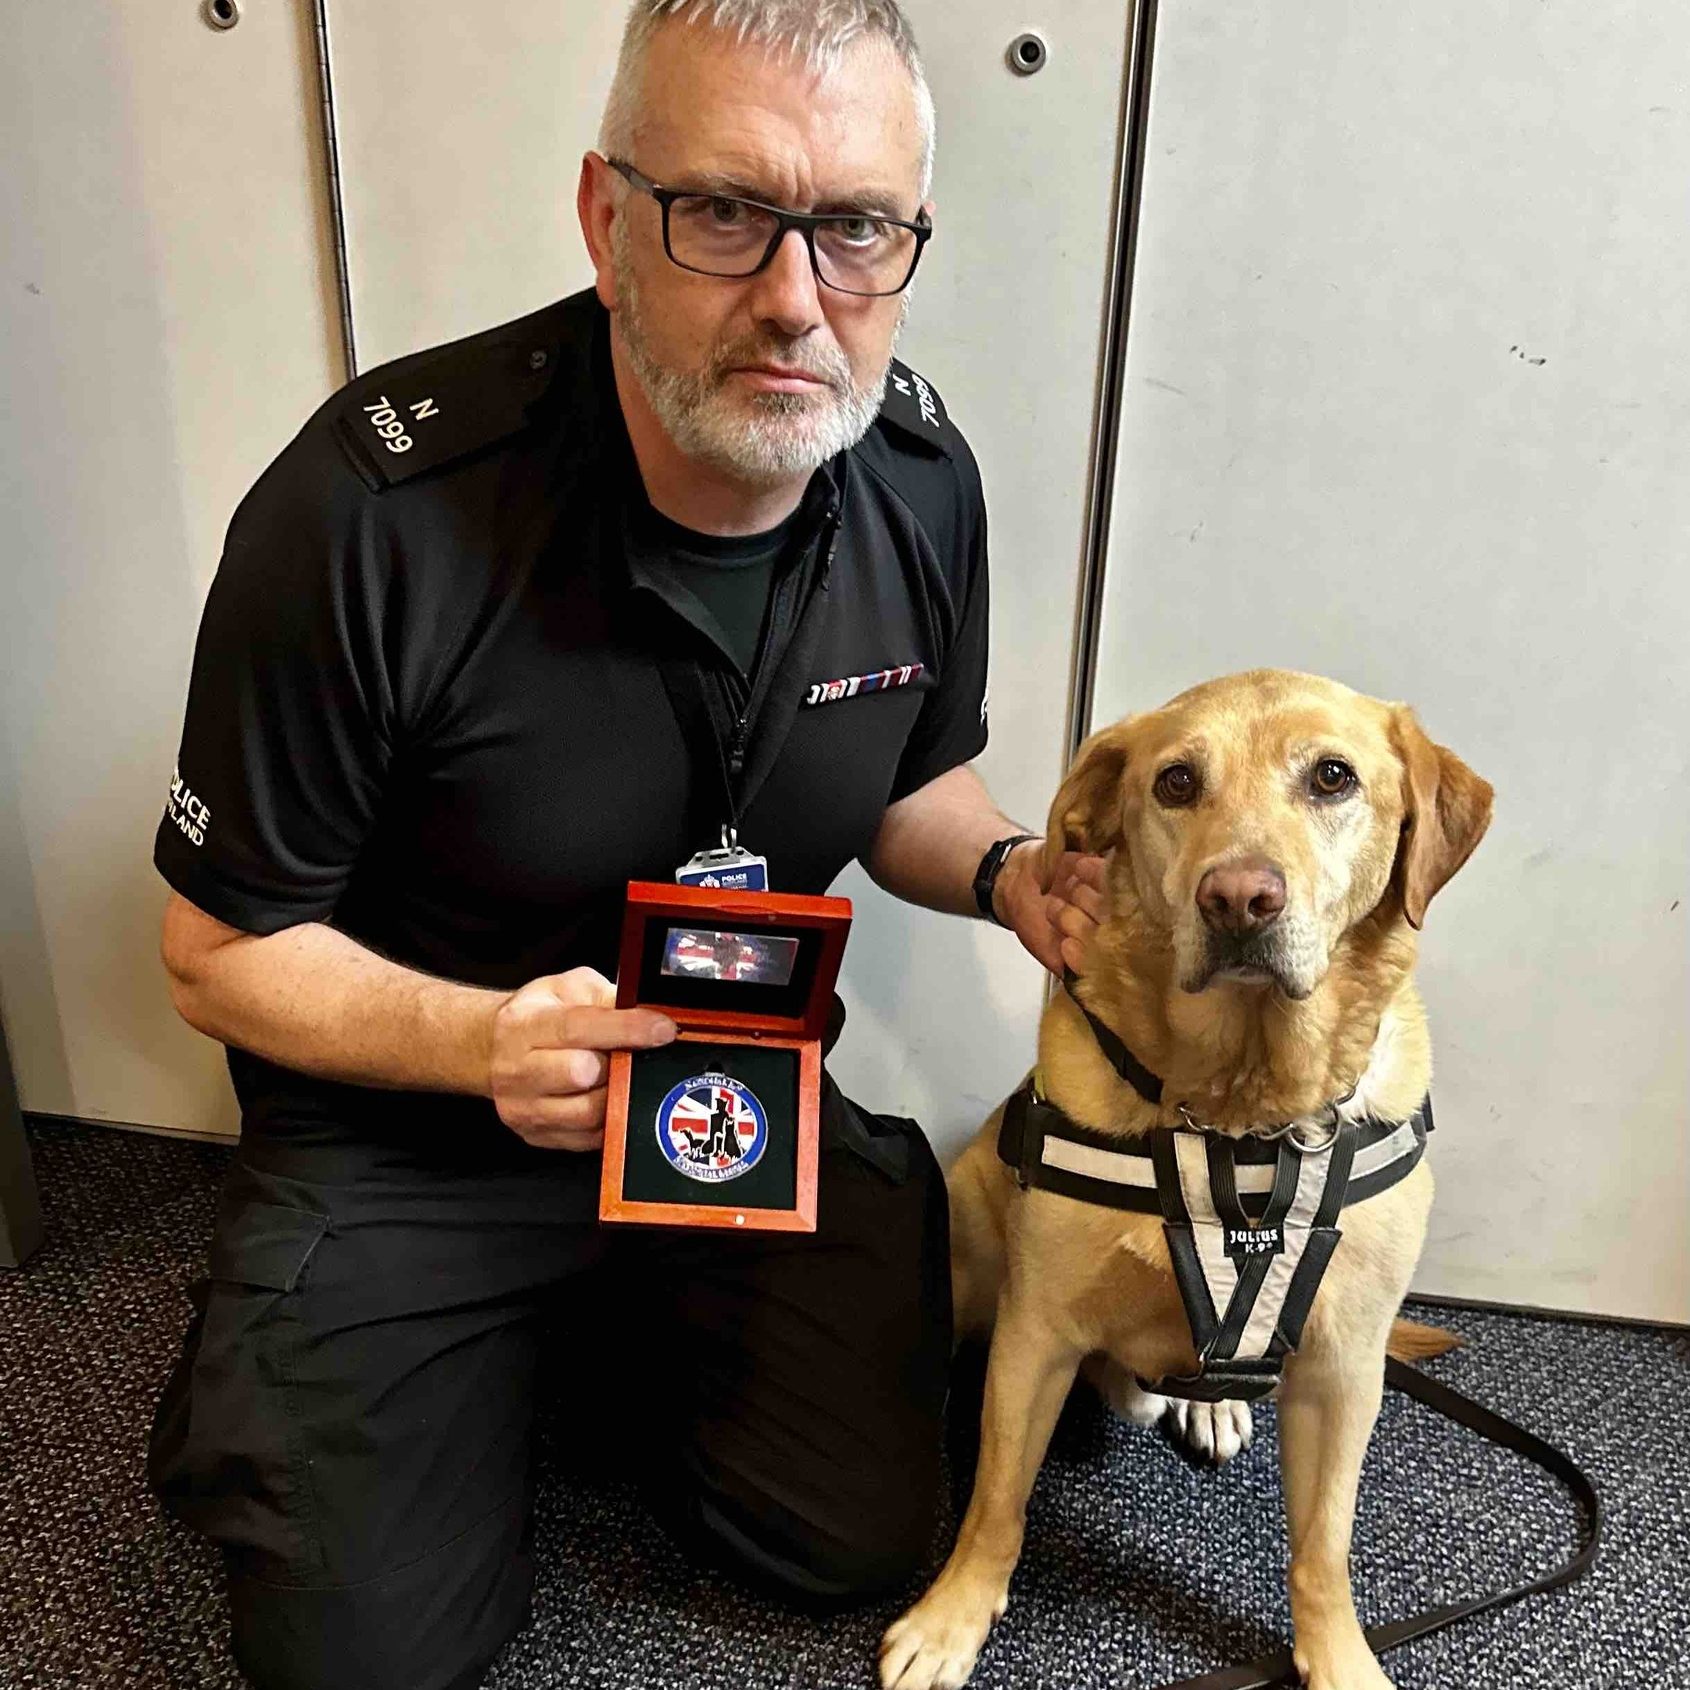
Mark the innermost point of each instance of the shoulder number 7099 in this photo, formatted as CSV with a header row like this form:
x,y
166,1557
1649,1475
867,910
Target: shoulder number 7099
x,y
385,421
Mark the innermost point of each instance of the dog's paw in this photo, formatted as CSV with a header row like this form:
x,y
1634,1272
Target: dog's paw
x,y
1356,1670
1212,1431
934,1646
1125,1396
1368,1678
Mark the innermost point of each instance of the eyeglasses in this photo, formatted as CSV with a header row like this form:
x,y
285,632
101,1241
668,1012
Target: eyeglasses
x,y
856,252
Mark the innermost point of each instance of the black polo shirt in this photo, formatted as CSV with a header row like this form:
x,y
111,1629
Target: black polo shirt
x,y
446,700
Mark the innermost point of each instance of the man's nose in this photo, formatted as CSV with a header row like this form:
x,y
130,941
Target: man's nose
x,y
1243,896
788,293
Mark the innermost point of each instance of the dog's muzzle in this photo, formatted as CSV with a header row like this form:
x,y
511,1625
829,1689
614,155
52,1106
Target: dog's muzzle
x,y
1246,933
1261,957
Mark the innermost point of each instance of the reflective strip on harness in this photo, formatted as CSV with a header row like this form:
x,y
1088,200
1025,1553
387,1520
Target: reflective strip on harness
x,y
1127,1168
1118,1166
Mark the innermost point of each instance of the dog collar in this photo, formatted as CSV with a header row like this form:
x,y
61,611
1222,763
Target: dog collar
x,y
1114,1047
1150,1086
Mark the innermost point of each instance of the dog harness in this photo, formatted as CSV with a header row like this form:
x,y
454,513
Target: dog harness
x,y
1251,1227
1250,1221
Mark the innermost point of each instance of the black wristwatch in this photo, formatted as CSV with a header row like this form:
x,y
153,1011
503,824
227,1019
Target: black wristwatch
x,y
991,865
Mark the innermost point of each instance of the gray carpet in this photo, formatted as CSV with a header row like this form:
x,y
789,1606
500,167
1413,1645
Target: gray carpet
x,y
1139,1567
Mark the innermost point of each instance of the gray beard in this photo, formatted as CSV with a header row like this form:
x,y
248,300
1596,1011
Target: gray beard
x,y
761,439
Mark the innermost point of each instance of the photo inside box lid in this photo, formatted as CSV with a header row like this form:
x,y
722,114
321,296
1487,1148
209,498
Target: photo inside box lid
x,y
702,968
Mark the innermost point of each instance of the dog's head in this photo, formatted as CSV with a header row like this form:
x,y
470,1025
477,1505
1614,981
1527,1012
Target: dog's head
x,y
1256,820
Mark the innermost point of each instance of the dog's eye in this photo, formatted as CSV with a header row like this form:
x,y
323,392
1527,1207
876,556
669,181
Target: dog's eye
x,y
1177,785
1332,778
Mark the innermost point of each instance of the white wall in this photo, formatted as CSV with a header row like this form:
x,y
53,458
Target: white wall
x,y
1364,227
165,325
1407,405
472,220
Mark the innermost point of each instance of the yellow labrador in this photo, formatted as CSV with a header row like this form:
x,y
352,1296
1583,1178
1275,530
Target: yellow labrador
x,y
1274,840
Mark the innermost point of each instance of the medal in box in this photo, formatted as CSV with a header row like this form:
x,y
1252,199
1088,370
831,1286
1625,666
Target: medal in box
x,y
721,1128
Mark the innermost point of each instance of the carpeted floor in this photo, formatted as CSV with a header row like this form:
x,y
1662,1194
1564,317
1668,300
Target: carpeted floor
x,y
1139,1567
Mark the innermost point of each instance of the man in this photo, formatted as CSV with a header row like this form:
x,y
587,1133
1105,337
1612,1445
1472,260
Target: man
x,y
509,623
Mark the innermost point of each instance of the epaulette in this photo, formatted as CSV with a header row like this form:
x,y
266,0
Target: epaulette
x,y
413,415
912,406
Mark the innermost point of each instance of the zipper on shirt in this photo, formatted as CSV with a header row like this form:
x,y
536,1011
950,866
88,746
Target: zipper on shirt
x,y
832,531
761,667
736,751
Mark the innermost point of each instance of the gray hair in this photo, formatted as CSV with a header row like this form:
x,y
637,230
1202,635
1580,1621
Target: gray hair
x,y
812,32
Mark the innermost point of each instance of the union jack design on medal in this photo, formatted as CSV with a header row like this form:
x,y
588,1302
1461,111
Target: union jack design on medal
x,y
711,1128
830,692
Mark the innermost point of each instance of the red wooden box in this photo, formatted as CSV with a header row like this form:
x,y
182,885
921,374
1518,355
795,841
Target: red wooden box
x,y
720,1129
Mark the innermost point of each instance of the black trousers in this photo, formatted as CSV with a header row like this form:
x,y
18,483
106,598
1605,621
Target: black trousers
x,y
352,1418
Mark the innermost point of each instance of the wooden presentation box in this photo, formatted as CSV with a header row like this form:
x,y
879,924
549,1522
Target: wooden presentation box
x,y
720,1128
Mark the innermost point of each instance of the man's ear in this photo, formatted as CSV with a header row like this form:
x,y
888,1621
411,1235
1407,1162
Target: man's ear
x,y
1086,813
595,204
1446,809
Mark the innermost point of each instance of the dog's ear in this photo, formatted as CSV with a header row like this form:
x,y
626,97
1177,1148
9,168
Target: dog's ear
x,y
1446,809
1086,813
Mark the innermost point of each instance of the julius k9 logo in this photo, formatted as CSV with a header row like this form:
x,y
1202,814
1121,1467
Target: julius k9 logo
x,y
711,1128
187,809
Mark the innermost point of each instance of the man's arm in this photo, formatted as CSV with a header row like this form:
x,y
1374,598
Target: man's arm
x,y
312,999
930,843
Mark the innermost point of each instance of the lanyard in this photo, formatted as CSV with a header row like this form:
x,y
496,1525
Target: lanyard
x,y
714,797
730,758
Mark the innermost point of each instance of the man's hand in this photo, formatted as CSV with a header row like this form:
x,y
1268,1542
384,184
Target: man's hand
x,y
548,1062
1052,921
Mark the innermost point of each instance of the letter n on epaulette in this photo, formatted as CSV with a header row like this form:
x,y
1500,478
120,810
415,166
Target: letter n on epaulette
x,y
401,421
913,406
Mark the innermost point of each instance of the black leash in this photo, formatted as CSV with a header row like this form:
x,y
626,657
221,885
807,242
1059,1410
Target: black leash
x,y
1277,1668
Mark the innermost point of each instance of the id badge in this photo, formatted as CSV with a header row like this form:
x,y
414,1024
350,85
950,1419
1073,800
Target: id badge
x,y
729,869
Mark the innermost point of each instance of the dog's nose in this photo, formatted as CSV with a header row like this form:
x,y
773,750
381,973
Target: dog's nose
x,y
1243,896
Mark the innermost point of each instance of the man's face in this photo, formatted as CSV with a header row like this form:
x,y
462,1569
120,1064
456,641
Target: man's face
x,y
766,376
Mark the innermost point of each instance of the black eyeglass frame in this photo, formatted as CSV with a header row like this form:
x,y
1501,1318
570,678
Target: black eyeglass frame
x,y
805,222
